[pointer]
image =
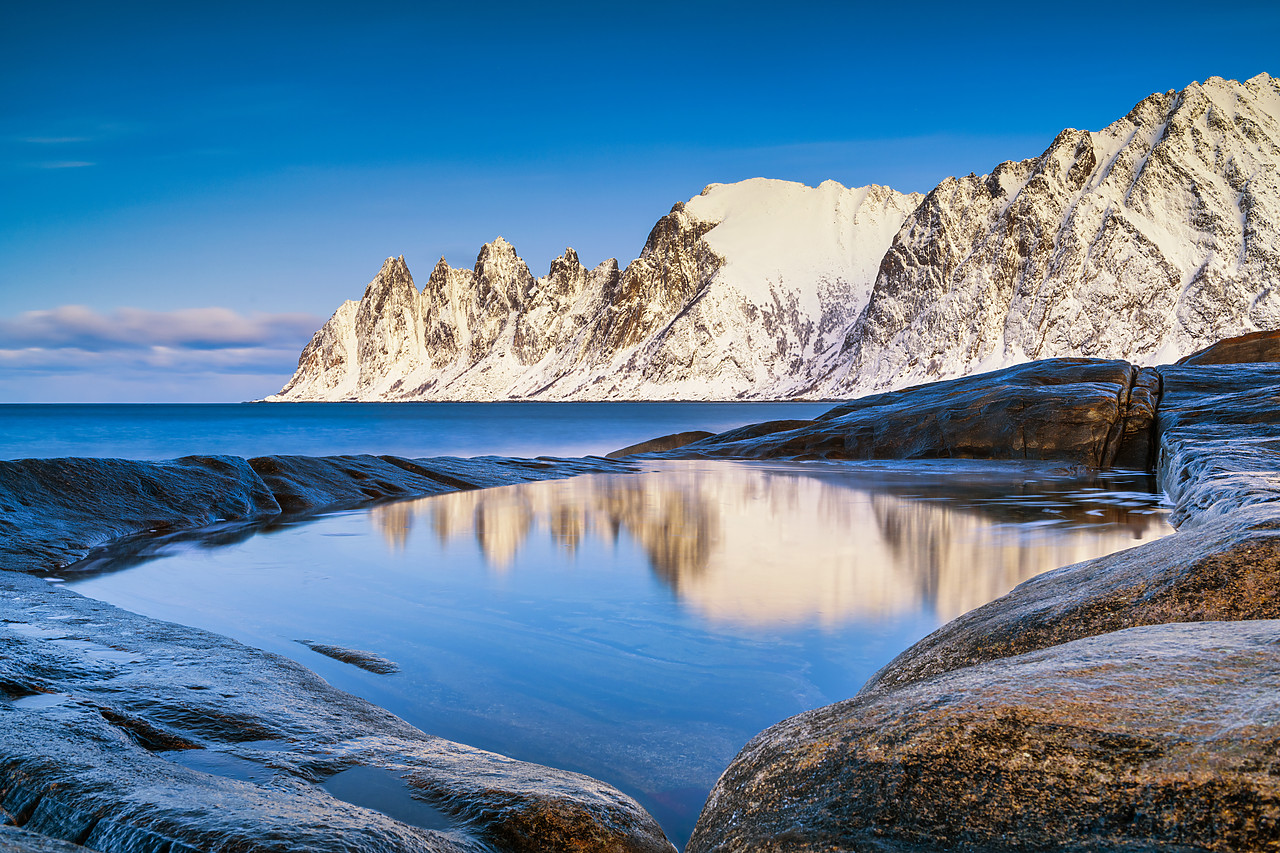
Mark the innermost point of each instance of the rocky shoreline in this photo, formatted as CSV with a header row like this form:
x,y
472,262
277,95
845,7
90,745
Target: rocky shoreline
x,y
1125,703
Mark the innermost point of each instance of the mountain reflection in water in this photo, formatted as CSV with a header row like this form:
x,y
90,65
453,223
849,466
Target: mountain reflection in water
x,y
759,544
640,627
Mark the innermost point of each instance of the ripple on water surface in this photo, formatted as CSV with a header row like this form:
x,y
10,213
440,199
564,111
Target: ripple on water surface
x,y
639,627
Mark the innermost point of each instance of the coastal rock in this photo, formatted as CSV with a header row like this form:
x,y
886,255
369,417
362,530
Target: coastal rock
x,y
1160,737
665,442
1072,410
101,707
1219,428
1225,571
105,710
1258,346
14,840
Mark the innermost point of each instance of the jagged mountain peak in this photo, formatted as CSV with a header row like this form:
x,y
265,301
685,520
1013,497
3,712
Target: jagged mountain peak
x,y
1143,240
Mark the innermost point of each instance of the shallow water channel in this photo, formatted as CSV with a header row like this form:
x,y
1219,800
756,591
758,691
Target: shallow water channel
x,y
637,627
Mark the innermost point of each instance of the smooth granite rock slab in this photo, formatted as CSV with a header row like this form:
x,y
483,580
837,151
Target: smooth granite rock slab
x,y
99,707
1070,410
1225,571
1155,738
1254,347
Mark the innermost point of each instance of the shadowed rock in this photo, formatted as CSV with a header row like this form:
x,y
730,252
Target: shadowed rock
x,y
1162,737
14,840
356,657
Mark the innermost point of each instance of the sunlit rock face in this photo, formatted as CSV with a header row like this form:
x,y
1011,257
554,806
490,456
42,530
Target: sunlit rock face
x,y
1144,241
748,545
1153,738
738,293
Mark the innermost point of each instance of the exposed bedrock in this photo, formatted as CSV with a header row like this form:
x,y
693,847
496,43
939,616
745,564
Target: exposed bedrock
x,y
1163,737
109,720
1126,703
1254,347
1225,571
1085,411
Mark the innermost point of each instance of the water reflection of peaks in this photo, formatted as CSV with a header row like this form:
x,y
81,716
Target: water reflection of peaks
x,y
751,545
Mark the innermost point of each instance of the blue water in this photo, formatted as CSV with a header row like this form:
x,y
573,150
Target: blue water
x,y
167,431
636,627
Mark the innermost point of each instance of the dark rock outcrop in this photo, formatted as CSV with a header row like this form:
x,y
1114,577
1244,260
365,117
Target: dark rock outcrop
x,y
1161,737
100,706
1124,703
1082,411
665,442
1255,347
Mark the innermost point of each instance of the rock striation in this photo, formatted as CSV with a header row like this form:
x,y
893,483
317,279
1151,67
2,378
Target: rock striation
x,y
101,709
1143,241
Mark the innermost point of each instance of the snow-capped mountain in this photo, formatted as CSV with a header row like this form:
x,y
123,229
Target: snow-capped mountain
x,y
1145,241
737,292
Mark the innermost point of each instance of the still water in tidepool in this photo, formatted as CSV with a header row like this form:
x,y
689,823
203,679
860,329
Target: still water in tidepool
x,y
638,627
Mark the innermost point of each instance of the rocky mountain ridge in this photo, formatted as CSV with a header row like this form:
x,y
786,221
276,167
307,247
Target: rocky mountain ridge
x,y
1143,241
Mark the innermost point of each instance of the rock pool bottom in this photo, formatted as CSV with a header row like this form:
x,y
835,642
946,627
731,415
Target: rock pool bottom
x,y
636,627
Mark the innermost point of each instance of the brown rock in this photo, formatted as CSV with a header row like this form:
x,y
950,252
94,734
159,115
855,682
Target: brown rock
x,y
1065,409
1226,571
665,442
1163,737
1258,346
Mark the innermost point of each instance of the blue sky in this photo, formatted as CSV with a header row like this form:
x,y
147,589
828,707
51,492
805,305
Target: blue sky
x,y
189,190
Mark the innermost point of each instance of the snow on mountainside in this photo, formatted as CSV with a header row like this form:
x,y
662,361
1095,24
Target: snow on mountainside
x,y
736,294
1145,240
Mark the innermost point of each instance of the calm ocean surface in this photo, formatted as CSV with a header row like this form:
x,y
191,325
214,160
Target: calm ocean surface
x,y
167,431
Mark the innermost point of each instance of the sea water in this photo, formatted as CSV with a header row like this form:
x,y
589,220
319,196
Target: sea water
x,y
638,627
161,431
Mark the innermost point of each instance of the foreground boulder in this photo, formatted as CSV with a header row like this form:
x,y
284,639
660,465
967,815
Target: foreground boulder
x,y
1160,737
1083,411
1225,571
103,712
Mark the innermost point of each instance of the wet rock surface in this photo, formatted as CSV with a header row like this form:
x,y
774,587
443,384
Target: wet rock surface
x,y
1155,738
1072,410
98,704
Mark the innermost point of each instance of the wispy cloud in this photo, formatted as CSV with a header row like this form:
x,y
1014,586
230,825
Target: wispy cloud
x,y
74,353
65,164
77,327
